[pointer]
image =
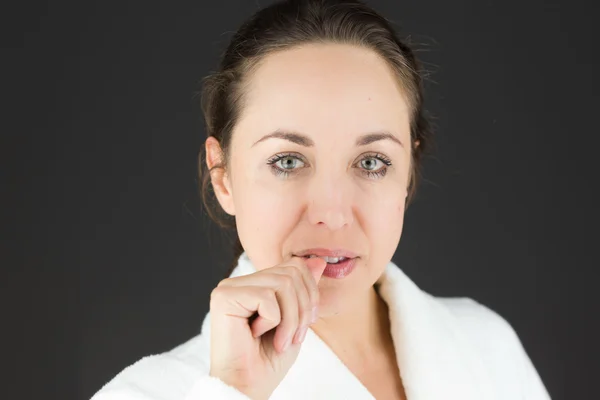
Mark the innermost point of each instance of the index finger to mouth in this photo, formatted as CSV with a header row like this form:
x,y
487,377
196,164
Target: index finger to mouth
x,y
312,270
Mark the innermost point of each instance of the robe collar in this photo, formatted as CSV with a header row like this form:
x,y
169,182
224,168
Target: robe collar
x,y
435,359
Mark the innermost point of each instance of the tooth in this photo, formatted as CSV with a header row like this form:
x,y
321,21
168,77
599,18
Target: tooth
x,y
330,260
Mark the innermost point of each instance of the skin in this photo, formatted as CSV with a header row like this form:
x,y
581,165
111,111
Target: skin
x,y
332,95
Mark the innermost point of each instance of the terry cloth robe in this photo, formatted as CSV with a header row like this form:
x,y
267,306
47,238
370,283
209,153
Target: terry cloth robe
x,y
446,348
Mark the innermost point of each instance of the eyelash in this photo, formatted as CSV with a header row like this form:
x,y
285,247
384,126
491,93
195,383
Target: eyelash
x,y
380,173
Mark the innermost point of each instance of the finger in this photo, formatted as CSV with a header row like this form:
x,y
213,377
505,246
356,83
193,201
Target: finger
x,y
272,278
261,325
312,269
269,277
308,279
316,266
288,304
243,302
305,306
306,288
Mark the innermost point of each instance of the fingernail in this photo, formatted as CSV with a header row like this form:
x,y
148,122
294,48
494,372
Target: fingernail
x,y
315,314
286,344
301,334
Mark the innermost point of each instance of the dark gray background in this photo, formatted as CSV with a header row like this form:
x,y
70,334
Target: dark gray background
x,y
107,255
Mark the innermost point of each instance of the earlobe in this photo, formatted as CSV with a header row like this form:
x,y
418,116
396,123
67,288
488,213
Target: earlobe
x,y
215,162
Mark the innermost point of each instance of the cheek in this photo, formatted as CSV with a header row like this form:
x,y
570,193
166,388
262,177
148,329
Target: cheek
x,y
385,221
388,216
265,214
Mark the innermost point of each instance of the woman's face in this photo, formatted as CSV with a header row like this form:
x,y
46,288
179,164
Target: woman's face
x,y
335,177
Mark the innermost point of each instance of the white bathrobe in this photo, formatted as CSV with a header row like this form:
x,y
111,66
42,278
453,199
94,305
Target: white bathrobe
x,y
446,348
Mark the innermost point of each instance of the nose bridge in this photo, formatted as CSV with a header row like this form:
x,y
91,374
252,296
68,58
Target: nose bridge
x,y
330,199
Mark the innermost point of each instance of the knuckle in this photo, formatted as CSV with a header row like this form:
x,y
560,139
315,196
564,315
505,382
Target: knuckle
x,y
286,281
295,273
223,282
216,295
267,294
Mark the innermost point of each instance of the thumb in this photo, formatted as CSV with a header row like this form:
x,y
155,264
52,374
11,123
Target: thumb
x,y
316,266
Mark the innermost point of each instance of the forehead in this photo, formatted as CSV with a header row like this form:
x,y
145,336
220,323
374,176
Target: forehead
x,y
324,89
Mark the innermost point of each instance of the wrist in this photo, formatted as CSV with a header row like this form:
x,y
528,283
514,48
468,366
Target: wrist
x,y
241,385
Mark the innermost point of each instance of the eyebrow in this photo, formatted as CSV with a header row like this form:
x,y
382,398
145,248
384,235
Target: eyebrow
x,y
293,137
375,136
305,141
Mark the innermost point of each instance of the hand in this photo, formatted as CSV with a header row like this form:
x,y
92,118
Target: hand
x,y
259,321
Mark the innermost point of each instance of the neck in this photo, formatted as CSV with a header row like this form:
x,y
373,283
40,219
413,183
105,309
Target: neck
x,y
361,332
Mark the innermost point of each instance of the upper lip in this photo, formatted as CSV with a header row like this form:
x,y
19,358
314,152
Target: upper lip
x,y
320,252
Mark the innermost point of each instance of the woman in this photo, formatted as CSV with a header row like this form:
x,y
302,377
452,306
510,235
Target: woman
x,y
316,130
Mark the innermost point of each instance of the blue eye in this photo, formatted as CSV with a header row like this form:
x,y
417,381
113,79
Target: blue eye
x,y
288,163
373,166
369,165
284,164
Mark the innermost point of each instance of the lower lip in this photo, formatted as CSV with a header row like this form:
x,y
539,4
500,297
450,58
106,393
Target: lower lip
x,y
341,269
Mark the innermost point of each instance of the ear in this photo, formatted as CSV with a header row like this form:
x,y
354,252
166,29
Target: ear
x,y
218,176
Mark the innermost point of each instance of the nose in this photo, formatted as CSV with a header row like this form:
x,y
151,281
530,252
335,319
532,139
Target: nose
x,y
330,200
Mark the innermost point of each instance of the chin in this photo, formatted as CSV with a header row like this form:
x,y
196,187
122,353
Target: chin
x,y
335,300
337,295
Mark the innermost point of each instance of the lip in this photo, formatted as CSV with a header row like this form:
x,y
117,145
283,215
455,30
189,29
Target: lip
x,y
341,269
322,252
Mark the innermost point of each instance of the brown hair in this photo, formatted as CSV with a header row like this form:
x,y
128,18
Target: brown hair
x,y
284,25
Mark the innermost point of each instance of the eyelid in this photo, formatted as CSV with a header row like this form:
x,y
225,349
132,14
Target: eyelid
x,y
272,163
378,173
279,156
370,174
379,156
